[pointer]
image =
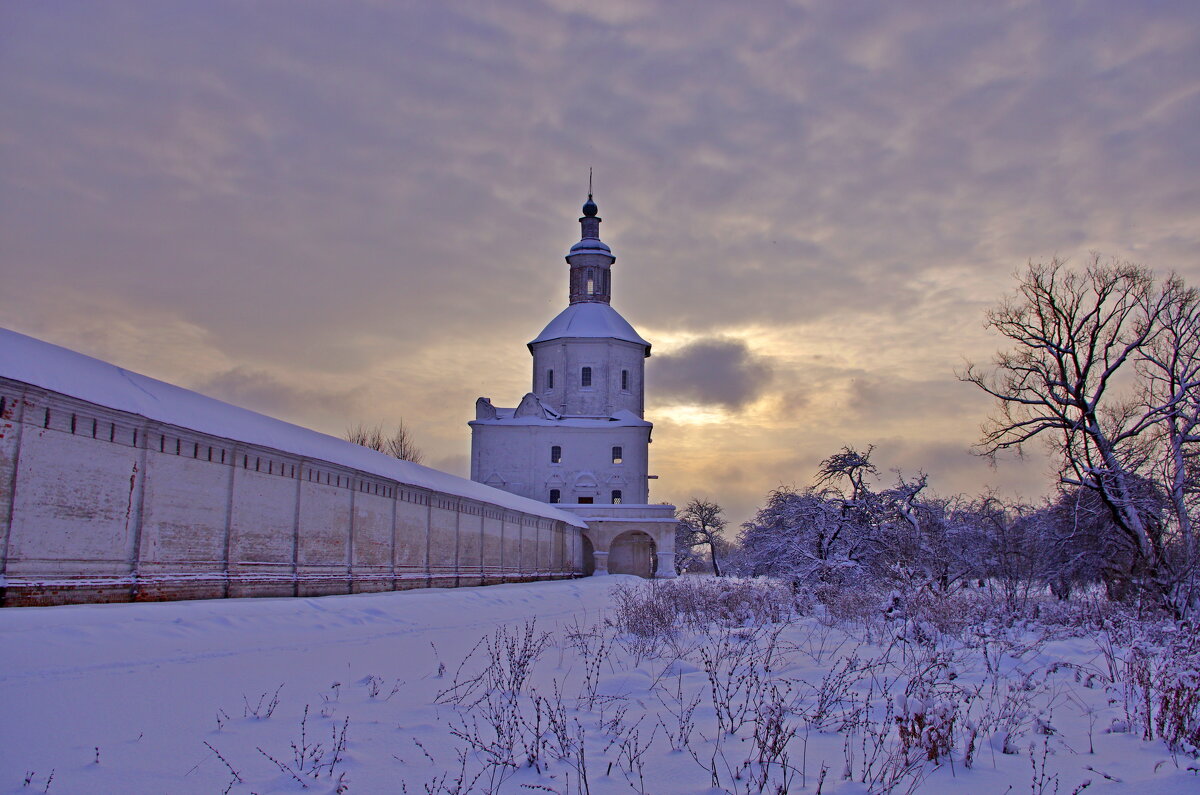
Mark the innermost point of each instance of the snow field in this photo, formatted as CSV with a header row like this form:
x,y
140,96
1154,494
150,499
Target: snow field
x,y
601,685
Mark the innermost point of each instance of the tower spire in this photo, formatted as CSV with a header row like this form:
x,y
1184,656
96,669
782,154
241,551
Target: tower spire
x,y
590,258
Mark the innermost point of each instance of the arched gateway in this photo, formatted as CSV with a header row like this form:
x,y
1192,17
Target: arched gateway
x,y
579,438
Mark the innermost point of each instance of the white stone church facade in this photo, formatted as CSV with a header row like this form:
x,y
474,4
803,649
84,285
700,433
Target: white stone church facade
x,y
579,438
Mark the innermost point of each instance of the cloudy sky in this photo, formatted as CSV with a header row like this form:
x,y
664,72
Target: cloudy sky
x,y
345,212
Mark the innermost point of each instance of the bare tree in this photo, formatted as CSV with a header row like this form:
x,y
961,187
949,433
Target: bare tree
x,y
1077,336
704,521
686,555
804,536
851,466
1170,371
398,444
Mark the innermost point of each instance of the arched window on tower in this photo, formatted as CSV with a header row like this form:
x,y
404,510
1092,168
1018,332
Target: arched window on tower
x,y
591,282
549,380
625,380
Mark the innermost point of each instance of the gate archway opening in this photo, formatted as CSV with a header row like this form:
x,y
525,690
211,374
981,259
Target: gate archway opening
x,y
632,552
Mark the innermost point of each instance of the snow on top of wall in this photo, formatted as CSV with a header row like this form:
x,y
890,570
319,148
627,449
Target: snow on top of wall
x,y
58,369
590,319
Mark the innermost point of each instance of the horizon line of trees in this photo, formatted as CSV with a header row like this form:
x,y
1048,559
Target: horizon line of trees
x,y
398,443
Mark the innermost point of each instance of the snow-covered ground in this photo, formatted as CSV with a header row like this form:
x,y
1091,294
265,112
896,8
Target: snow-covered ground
x,y
175,697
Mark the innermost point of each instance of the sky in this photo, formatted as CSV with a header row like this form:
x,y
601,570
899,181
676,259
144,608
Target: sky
x,y
353,212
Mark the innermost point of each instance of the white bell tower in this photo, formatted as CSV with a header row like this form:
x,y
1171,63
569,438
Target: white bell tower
x,y
579,437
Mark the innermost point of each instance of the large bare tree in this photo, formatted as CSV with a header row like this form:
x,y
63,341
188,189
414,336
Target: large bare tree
x,y
1079,339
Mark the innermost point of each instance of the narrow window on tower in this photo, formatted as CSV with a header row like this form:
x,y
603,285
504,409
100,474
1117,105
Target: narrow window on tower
x,y
549,380
617,457
616,497
625,380
555,495
555,455
591,282
585,377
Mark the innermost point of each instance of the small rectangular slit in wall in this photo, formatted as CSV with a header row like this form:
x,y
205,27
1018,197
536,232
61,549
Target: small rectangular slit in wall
x,y
72,423
46,422
270,467
3,405
245,462
257,464
112,432
178,446
210,453
195,449
135,437
222,455
95,425
162,441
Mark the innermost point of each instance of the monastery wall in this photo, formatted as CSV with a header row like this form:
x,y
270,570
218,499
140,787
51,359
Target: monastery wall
x,y
99,504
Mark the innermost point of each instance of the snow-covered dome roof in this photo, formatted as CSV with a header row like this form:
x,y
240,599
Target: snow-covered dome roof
x,y
591,245
590,320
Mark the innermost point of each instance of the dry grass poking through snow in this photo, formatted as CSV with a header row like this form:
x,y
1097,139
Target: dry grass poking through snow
x,y
743,686
696,685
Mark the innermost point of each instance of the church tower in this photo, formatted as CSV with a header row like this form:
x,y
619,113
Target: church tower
x,y
579,436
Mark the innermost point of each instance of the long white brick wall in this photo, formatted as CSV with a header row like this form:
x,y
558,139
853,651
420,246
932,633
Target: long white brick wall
x,y
102,504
